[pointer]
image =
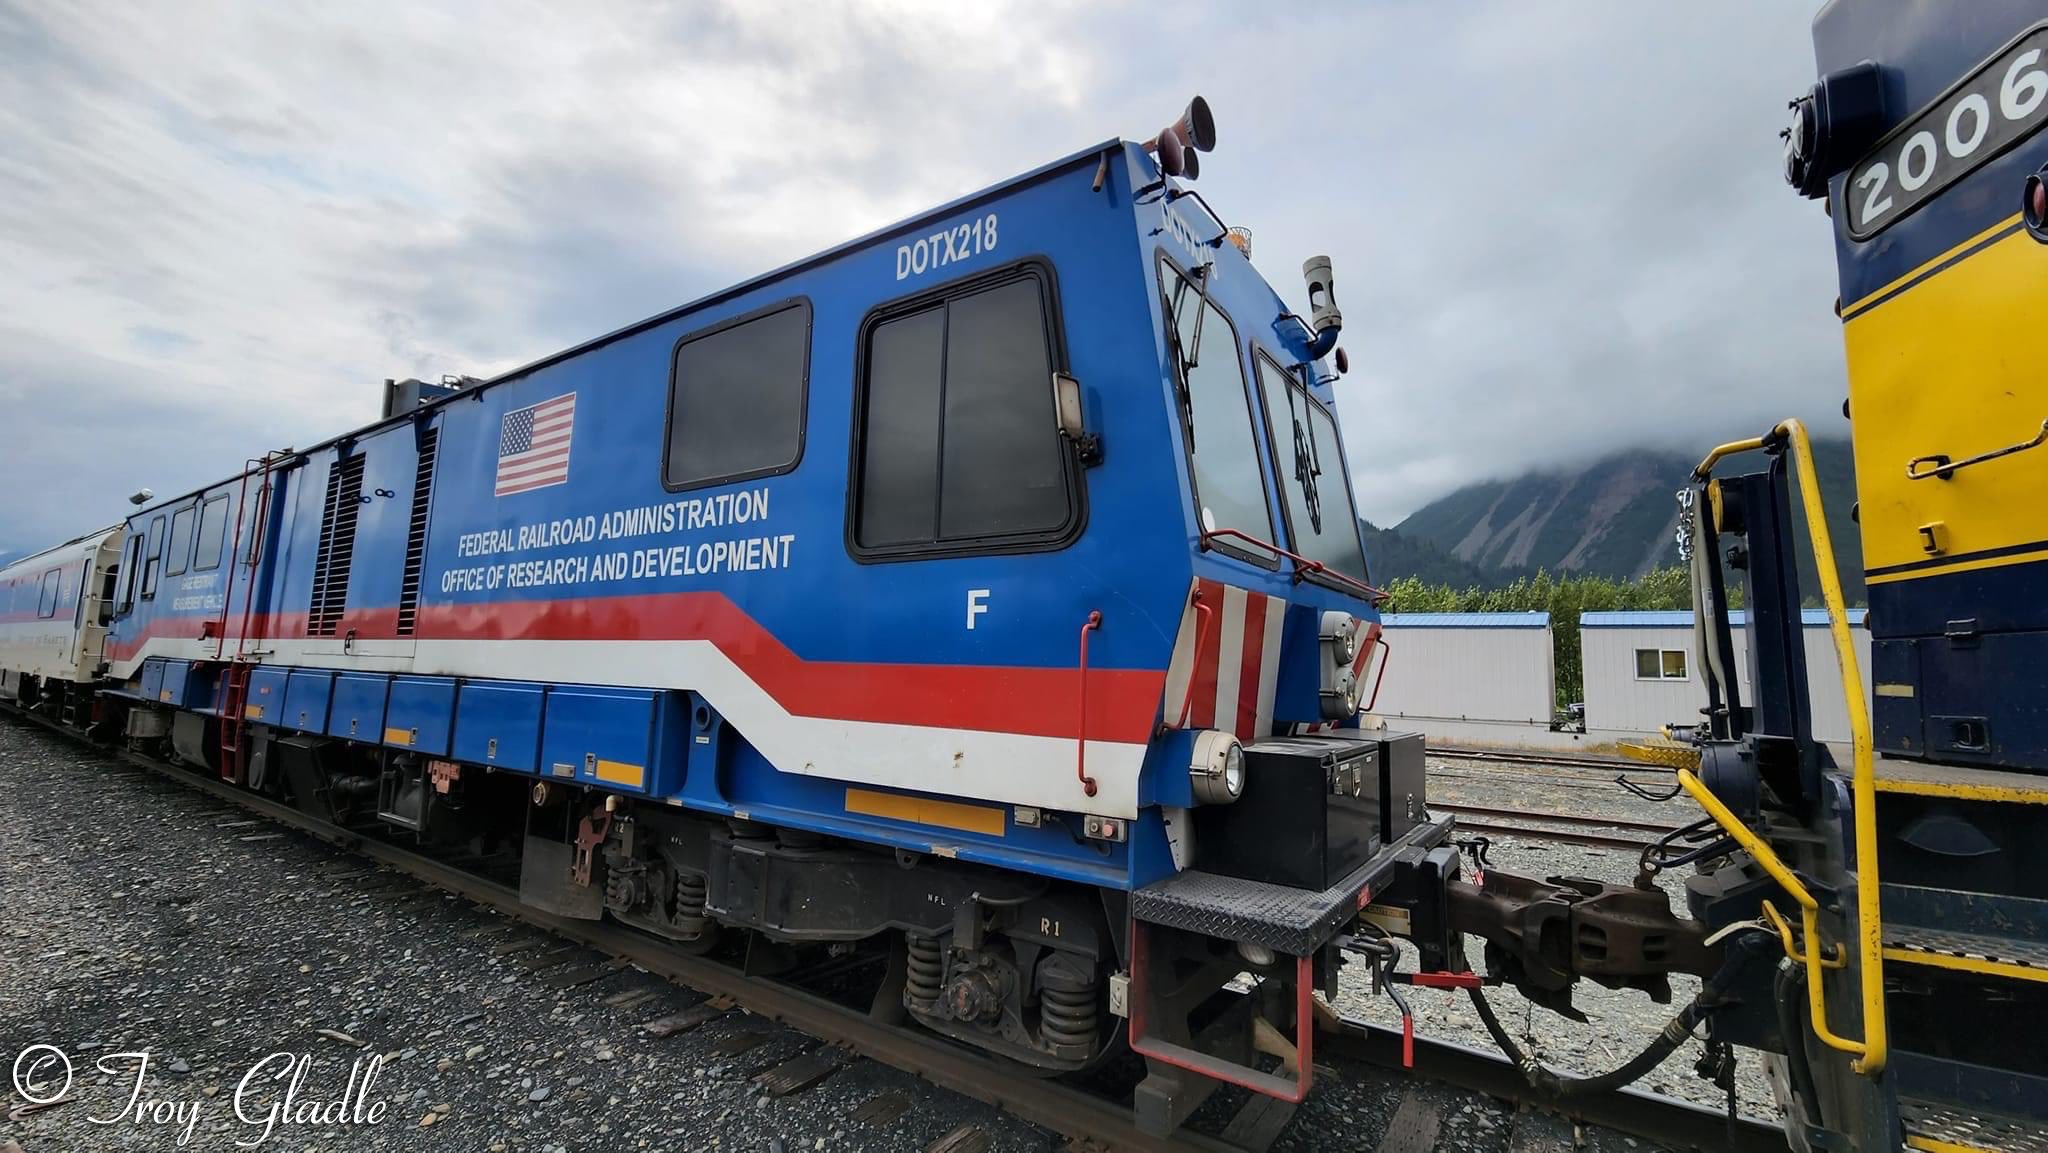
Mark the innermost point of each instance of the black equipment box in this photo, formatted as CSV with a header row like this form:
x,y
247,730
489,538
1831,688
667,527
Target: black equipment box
x,y
1404,779
1308,816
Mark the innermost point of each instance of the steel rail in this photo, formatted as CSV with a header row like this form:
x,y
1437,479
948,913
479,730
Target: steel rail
x,y
1558,818
1055,1105
1562,760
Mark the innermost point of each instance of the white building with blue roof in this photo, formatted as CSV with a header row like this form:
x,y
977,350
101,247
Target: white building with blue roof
x,y
1641,671
1469,678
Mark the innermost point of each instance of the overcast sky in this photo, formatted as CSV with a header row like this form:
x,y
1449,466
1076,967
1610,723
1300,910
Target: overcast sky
x,y
1559,228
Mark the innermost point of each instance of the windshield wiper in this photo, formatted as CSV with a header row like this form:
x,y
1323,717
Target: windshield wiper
x,y
1183,363
1308,466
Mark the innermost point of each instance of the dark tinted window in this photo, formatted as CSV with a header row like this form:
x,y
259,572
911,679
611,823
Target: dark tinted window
x,y
1004,470
900,455
46,605
179,553
958,440
1311,467
736,401
131,571
154,554
213,525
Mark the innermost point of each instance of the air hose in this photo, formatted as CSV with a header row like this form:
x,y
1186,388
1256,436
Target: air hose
x,y
1558,1084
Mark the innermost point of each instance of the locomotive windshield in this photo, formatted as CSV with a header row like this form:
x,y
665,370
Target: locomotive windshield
x,y
1313,484
1216,411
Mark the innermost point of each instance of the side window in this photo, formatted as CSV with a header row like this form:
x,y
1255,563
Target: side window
x,y
179,553
46,605
736,399
131,573
1660,664
153,554
1315,492
957,440
213,524
1216,414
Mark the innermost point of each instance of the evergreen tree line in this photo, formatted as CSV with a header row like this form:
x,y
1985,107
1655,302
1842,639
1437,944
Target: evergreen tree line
x,y
1564,597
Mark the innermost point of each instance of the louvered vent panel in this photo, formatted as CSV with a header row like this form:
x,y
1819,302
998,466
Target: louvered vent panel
x,y
337,546
416,533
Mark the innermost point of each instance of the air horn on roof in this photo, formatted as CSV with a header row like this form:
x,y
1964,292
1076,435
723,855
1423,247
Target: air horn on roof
x,y
1177,143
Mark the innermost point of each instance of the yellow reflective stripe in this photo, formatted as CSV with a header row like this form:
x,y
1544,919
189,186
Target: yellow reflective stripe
x,y
1966,565
398,736
1937,1145
925,811
1965,964
1868,299
1961,791
621,773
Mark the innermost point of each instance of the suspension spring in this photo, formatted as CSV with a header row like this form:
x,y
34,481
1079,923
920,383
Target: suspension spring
x,y
1068,1013
690,896
924,973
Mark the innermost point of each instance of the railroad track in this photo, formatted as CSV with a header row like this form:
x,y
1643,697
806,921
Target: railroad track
x,y
1569,828
1081,1116
1560,760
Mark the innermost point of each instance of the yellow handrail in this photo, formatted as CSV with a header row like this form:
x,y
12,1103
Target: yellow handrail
x,y
1873,1049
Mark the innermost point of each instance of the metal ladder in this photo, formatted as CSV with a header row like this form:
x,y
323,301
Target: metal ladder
x,y
234,692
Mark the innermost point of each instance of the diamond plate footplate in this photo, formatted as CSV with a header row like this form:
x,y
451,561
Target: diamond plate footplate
x,y
1956,1126
2032,954
1287,920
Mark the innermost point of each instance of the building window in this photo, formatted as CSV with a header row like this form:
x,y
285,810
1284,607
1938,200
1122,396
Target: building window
x,y
178,555
213,526
1216,415
1660,664
736,399
958,444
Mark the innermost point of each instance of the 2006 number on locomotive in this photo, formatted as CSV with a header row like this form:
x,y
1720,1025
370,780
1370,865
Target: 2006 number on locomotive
x,y
1995,108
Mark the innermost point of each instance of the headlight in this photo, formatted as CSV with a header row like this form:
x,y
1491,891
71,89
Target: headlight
x,y
1340,631
1340,697
1217,769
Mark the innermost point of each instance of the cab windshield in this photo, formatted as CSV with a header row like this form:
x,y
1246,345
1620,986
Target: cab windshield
x,y
1217,419
1314,491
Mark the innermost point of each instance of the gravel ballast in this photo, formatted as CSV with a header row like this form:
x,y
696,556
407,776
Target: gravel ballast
x,y
142,917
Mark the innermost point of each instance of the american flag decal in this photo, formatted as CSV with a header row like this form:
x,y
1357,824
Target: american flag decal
x,y
533,445
1226,660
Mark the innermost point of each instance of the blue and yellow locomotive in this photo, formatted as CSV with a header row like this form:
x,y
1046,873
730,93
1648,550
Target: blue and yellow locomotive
x,y
1908,885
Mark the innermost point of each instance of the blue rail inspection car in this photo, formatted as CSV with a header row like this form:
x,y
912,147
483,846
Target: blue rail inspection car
x,y
937,593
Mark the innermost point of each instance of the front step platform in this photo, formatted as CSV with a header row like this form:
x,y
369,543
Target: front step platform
x,y
1945,1128
1969,952
1962,782
1289,920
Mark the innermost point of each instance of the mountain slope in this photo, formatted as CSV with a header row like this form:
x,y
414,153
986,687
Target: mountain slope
x,y
1614,516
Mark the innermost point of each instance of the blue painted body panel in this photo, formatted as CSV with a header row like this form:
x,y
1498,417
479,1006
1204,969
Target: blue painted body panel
x,y
307,696
357,710
265,700
497,723
637,732
421,714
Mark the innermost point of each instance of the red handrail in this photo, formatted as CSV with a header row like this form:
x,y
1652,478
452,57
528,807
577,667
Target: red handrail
x,y
1386,651
1187,699
1301,563
1093,622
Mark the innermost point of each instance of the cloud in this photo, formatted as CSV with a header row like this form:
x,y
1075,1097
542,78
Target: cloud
x,y
1558,228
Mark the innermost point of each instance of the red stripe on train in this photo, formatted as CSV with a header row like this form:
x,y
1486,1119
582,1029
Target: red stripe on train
x,y
1122,703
